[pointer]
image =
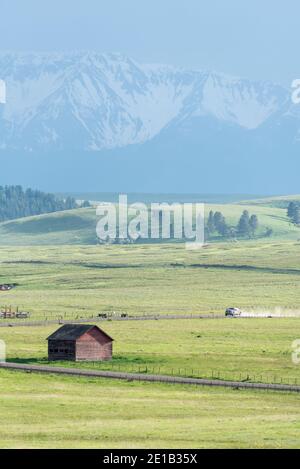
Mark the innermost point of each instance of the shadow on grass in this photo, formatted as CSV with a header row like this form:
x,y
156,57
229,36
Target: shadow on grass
x,y
271,270
117,363
28,361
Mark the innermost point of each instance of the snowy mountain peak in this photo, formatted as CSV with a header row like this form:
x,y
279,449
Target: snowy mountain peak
x,y
92,101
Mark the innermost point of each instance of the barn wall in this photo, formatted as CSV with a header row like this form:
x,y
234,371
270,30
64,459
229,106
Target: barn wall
x,y
95,335
93,351
61,350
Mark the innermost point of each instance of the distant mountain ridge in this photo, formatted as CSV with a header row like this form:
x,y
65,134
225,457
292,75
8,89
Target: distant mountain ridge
x,y
85,121
91,101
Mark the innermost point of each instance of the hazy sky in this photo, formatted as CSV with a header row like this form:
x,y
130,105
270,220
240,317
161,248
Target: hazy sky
x,y
257,38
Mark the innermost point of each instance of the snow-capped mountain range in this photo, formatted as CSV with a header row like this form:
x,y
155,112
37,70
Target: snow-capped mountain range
x,y
91,102
102,122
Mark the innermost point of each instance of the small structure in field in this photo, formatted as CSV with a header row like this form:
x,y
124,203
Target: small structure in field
x,y
7,287
80,342
8,313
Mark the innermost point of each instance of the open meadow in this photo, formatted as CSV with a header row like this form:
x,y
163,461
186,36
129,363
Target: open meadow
x,y
72,281
234,349
81,281
47,411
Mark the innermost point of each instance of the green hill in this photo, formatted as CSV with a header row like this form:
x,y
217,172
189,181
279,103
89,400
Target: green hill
x,y
79,226
269,217
68,227
276,201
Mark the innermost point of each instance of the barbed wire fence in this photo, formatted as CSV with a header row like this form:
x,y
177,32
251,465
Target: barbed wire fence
x,y
239,376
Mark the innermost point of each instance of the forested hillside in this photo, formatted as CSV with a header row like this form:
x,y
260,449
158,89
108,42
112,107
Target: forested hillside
x,y
15,202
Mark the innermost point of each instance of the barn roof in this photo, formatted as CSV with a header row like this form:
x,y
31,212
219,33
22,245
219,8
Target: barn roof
x,y
74,332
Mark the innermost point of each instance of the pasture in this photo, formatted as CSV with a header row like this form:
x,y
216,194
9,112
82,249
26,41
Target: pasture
x,y
44,411
235,349
81,281
72,281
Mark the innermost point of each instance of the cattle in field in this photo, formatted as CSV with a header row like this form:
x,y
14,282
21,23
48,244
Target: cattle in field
x,y
22,315
102,315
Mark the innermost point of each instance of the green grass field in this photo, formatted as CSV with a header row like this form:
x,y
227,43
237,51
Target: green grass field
x,y
235,349
273,201
60,273
75,281
39,411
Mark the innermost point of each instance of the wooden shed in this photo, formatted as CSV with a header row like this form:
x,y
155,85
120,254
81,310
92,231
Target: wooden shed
x,y
79,342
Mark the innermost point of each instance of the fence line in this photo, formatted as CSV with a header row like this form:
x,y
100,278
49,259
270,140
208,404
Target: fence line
x,y
240,376
147,317
148,377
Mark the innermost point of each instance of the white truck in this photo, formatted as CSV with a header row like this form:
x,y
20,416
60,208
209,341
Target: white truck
x,y
233,312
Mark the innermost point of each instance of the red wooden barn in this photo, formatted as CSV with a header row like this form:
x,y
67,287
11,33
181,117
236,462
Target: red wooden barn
x,y
79,342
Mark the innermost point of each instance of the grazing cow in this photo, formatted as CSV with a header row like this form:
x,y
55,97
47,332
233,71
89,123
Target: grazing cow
x,y
102,315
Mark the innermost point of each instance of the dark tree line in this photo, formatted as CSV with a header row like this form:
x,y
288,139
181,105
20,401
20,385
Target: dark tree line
x,y
293,212
217,224
17,203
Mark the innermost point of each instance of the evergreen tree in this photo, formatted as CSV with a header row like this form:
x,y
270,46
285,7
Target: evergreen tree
x,y
269,232
218,218
296,216
220,224
70,203
292,207
17,203
210,223
244,224
223,229
253,224
85,204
